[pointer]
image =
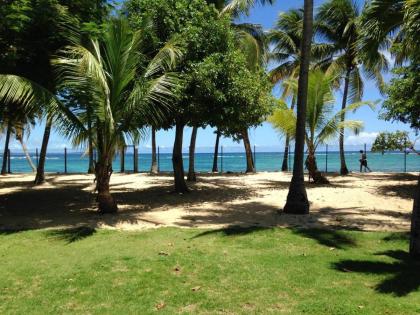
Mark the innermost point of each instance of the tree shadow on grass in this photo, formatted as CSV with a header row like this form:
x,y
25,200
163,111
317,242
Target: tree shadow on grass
x,y
398,236
234,230
403,273
328,237
72,235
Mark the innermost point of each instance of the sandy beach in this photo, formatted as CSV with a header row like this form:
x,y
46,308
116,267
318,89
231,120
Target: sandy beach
x,y
373,201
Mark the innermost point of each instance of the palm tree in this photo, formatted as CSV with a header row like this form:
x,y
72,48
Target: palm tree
x,y
287,40
154,166
19,135
338,23
391,24
126,88
297,199
322,123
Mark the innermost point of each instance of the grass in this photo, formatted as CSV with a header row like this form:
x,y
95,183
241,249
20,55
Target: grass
x,y
234,271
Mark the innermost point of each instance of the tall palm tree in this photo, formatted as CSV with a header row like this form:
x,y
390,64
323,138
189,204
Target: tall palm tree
x,y
297,199
126,88
338,23
391,24
154,167
286,38
322,123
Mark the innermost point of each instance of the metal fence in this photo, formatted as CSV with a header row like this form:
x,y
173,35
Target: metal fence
x,y
132,159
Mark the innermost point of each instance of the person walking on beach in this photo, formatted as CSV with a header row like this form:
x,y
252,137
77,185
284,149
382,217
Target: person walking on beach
x,y
363,161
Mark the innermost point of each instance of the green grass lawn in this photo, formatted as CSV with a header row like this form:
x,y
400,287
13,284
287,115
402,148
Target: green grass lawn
x,y
234,271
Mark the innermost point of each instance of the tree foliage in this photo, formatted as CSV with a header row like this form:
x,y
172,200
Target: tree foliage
x,y
391,141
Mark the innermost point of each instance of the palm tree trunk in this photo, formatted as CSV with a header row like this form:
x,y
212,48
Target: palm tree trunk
x,y
191,170
6,149
415,225
27,155
343,167
314,173
106,202
285,164
40,172
154,167
91,168
297,199
177,162
250,167
216,153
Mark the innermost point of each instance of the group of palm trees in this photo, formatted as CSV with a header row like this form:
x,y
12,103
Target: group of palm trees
x,y
313,58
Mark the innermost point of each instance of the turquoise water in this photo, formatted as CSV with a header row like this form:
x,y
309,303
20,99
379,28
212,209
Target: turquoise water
x,y
235,162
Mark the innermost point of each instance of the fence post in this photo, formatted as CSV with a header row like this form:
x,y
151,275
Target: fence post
x,y
326,158
37,157
255,159
158,159
8,161
221,160
65,160
136,156
288,158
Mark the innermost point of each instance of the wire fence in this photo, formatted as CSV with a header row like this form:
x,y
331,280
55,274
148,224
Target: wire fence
x,y
229,160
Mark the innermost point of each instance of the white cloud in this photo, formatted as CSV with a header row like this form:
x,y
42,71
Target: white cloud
x,y
362,138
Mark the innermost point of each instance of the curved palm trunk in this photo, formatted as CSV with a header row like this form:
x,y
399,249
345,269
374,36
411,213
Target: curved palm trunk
x,y
250,167
154,166
40,172
343,166
6,149
27,155
285,164
91,168
314,173
216,153
103,172
297,199
415,225
191,169
177,163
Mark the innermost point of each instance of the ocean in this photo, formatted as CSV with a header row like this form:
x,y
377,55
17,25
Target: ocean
x,y
77,162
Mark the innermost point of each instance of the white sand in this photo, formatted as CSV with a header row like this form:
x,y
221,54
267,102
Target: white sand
x,y
374,201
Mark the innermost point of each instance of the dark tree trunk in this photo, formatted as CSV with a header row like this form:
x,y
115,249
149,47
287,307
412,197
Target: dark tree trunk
x,y
40,172
191,169
103,172
314,173
343,167
154,167
285,164
91,168
215,168
415,225
177,162
6,150
297,199
250,167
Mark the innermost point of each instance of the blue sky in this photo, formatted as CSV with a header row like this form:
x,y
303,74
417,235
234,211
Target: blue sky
x,y
264,137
